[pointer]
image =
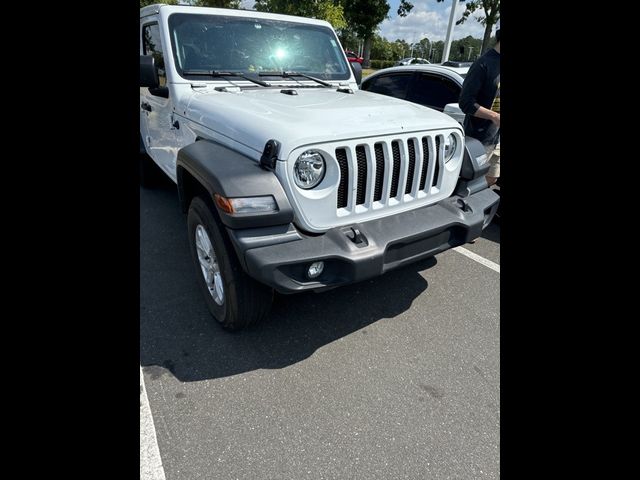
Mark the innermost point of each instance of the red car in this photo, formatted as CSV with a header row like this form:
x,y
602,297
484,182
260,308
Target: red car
x,y
353,56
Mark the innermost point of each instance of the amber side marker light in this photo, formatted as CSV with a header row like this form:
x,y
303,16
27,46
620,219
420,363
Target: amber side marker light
x,y
223,203
246,205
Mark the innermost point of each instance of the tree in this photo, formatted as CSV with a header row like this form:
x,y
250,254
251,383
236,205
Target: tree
x,y
437,52
199,3
218,3
348,39
329,10
364,16
491,16
400,49
144,3
426,47
471,48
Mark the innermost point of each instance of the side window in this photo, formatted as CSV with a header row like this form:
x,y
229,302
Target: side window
x,y
392,85
151,45
434,91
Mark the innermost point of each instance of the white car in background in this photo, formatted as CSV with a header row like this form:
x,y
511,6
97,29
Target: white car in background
x,y
412,61
435,86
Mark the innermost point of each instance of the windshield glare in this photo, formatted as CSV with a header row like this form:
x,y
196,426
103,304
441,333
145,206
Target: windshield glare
x,y
251,45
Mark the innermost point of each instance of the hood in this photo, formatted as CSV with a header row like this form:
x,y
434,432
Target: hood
x,y
314,115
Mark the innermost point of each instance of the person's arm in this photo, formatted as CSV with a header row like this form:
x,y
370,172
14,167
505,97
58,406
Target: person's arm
x,y
487,114
470,88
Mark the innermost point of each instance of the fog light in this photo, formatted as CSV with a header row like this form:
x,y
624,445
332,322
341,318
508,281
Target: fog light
x,y
315,269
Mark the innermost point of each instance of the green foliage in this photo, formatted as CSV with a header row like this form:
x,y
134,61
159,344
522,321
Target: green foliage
x,y
472,48
349,39
145,3
384,50
377,64
436,52
491,9
333,13
365,15
330,10
218,3
381,48
404,8
199,3
399,47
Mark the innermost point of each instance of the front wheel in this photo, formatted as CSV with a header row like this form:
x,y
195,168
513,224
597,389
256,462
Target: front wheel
x,y
234,299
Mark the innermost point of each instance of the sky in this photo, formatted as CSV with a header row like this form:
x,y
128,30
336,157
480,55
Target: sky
x,y
428,18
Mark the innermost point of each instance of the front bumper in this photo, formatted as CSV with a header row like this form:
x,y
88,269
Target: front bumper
x,y
280,256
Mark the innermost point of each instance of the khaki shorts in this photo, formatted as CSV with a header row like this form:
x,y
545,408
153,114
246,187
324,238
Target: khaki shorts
x,y
493,152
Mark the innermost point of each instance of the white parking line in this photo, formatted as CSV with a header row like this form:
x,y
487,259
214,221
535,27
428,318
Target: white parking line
x,y
150,461
478,258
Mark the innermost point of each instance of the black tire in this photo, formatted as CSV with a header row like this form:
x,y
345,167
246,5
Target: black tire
x,y
245,301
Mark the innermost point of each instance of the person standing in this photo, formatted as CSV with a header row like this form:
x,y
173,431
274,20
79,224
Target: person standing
x,y
480,101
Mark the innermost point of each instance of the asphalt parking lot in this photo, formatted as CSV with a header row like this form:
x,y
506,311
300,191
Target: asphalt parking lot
x,y
397,377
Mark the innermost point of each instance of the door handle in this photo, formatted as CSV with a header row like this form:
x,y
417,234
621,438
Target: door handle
x,y
146,106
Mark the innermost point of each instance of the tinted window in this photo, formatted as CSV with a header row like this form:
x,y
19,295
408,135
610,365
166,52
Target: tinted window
x,y
392,85
152,45
433,91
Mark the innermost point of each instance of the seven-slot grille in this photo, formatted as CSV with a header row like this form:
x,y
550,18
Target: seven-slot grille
x,y
389,170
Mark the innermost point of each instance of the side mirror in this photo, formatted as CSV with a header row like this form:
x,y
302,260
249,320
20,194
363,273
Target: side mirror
x,y
148,72
357,71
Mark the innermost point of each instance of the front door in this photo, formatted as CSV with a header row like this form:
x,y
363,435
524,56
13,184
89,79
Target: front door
x,y
156,107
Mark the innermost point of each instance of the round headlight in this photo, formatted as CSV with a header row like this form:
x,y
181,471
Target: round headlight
x,y
309,169
450,146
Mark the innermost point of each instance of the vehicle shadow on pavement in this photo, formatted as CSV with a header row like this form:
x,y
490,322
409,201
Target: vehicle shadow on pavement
x,y
178,335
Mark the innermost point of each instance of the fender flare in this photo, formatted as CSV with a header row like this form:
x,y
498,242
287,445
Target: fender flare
x,y
475,163
218,169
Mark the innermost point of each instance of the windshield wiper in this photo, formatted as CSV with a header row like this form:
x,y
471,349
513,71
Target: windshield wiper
x,y
215,73
294,74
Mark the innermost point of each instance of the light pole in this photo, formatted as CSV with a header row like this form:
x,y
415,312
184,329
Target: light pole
x,y
447,42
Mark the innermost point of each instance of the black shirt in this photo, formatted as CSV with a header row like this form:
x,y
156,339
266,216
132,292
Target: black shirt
x,y
480,88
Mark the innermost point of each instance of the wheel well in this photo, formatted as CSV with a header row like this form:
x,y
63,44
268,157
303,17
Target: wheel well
x,y
188,188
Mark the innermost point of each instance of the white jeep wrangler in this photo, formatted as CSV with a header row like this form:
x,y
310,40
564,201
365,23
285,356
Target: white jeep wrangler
x,y
293,179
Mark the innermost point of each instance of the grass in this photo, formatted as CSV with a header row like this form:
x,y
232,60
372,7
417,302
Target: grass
x,y
368,71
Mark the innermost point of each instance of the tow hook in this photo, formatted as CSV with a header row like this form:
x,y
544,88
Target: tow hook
x,y
356,237
462,205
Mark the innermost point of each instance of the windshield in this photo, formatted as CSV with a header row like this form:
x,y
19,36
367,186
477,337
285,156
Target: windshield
x,y
252,45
